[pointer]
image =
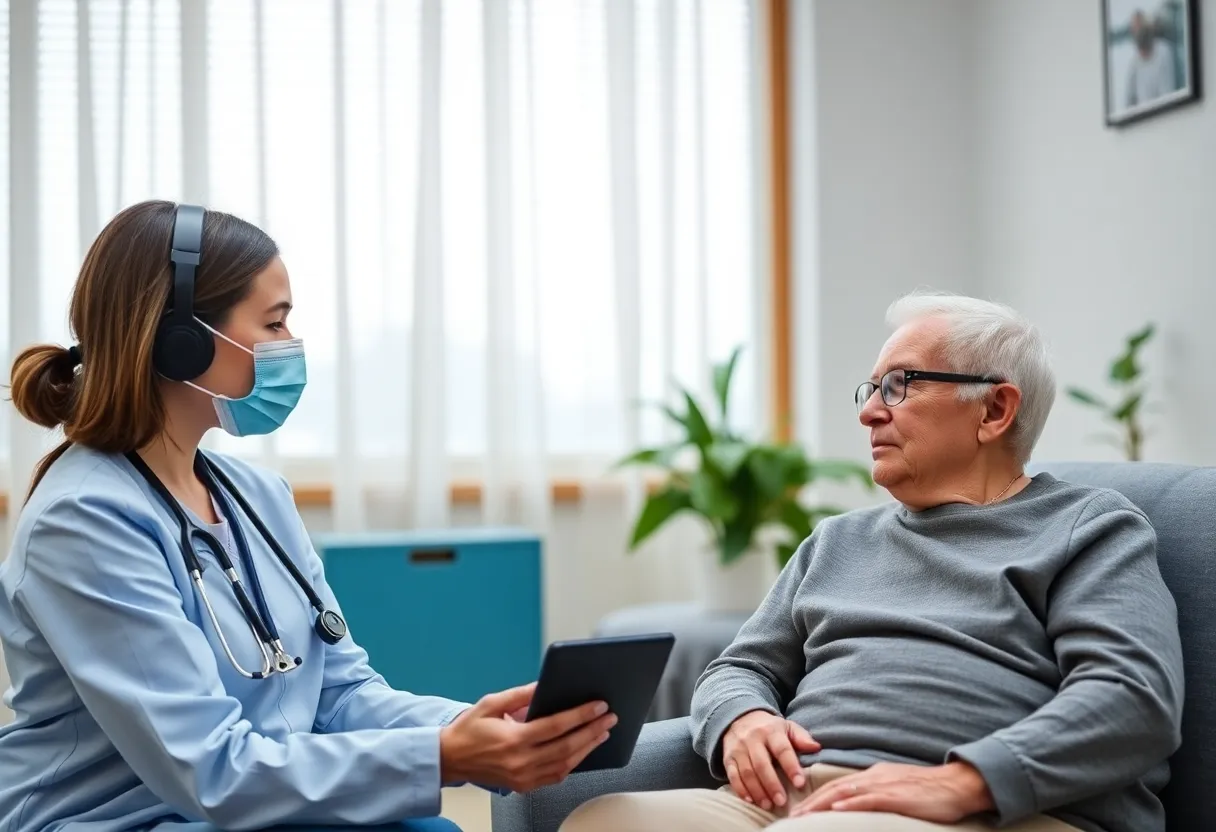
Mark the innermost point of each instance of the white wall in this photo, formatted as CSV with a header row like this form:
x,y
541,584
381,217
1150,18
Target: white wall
x,y
1092,231
885,195
961,144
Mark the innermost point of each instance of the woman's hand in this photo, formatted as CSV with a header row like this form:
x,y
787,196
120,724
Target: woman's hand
x,y
751,745
939,794
487,745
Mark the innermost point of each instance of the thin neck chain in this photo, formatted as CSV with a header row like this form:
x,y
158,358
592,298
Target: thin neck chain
x,y
1003,490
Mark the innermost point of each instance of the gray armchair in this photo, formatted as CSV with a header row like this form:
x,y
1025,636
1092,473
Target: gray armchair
x,y
1179,500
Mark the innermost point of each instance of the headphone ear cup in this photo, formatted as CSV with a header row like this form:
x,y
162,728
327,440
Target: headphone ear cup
x,y
182,351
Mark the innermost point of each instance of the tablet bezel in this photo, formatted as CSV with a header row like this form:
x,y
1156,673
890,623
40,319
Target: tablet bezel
x,y
623,671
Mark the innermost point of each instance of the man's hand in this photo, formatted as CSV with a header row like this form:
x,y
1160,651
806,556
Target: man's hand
x,y
939,794
490,745
750,746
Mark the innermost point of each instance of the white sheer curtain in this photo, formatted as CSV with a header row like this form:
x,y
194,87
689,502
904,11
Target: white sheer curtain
x,y
506,222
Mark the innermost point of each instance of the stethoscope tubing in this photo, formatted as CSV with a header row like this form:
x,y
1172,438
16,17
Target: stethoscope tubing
x,y
257,616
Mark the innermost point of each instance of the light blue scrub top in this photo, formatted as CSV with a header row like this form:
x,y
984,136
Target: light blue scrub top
x,y
128,713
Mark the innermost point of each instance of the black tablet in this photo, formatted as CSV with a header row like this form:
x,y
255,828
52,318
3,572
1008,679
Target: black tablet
x,y
623,671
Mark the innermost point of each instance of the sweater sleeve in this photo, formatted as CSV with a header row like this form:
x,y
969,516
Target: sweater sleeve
x,y
761,668
1118,710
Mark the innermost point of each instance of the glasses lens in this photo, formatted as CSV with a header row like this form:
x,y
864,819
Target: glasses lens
x,y
894,386
864,391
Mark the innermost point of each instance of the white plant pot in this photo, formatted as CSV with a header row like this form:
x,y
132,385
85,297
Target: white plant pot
x,y
739,586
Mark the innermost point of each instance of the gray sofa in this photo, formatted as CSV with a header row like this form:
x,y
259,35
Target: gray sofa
x,y
1181,503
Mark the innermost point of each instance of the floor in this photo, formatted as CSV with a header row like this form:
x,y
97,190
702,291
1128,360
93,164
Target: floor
x,y
468,807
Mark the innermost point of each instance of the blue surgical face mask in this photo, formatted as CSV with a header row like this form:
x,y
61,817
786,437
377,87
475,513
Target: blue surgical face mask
x,y
279,376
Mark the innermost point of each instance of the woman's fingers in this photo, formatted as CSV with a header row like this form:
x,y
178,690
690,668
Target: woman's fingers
x,y
551,727
505,701
580,742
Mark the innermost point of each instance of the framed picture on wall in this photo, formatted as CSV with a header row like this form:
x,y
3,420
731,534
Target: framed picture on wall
x,y
1150,51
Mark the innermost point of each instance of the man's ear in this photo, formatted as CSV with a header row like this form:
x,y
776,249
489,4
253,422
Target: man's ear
x,y
1001,405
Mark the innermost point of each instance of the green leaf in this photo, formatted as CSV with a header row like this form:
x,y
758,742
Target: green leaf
x,y
660,507
698,429
722,377
679,418
711,498
795,518
736,540
740,485
1124,369
796,468
768,470
1086,398
801,521
1129,407
841,470
728,456
1138,339
662,456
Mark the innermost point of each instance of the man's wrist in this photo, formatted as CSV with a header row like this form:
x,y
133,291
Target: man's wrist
x,y
971,785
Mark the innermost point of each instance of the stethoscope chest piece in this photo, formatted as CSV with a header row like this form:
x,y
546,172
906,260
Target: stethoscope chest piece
x,y
330,627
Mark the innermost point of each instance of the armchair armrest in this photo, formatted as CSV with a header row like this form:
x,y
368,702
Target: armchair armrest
x,y
663,759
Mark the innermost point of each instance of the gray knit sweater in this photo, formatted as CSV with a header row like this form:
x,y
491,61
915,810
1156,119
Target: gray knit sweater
x,y
1033,638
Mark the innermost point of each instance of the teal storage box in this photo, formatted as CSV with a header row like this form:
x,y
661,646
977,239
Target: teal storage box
x,y
453,613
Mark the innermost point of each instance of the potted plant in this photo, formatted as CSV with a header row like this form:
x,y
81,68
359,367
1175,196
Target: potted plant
x,y
741,489
1126,374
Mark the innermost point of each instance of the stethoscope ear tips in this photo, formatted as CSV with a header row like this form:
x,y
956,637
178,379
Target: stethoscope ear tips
x,y
330,627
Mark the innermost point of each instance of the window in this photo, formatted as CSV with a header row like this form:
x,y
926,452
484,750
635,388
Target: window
x,y
333,135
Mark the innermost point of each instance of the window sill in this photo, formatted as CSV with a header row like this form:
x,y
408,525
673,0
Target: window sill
x,y
462,493
321,495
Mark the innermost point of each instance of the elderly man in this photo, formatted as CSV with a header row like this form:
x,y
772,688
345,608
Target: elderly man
x,y
989,650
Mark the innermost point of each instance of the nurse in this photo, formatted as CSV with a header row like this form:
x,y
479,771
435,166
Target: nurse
x,y
176,655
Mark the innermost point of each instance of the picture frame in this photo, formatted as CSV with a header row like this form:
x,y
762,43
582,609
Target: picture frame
x,y
1150,58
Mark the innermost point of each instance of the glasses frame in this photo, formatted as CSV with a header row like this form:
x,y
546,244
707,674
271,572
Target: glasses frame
x,y
915,375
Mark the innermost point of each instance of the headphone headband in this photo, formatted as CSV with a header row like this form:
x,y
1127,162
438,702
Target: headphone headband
x,y
184,347
186,253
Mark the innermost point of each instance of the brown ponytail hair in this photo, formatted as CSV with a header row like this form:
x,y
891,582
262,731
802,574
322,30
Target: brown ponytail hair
x,y
111,401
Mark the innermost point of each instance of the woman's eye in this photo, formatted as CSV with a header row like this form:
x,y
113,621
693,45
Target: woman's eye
x,y
277,326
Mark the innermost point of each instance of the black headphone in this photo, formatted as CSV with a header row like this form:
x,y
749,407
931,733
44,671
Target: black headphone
x,y
184,348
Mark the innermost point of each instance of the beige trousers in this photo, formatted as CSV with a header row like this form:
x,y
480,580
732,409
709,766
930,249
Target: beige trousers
x,y
710,810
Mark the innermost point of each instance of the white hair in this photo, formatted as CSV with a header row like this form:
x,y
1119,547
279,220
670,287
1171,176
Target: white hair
x,y
987,338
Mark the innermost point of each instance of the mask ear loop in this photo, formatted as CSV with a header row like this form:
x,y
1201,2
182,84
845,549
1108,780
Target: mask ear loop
x,y
217,334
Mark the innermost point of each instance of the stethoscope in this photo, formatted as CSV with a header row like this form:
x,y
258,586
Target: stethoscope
x,y
275,658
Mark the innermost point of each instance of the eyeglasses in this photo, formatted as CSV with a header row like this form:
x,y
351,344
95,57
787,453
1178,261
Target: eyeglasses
x,y
894,384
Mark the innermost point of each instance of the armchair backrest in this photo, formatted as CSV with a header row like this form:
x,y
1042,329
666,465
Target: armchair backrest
x,y
1180,502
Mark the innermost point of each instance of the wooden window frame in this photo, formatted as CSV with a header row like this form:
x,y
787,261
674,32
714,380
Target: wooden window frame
x,y
776,18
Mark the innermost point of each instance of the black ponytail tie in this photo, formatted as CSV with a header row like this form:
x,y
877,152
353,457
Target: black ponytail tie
x,y
75,355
